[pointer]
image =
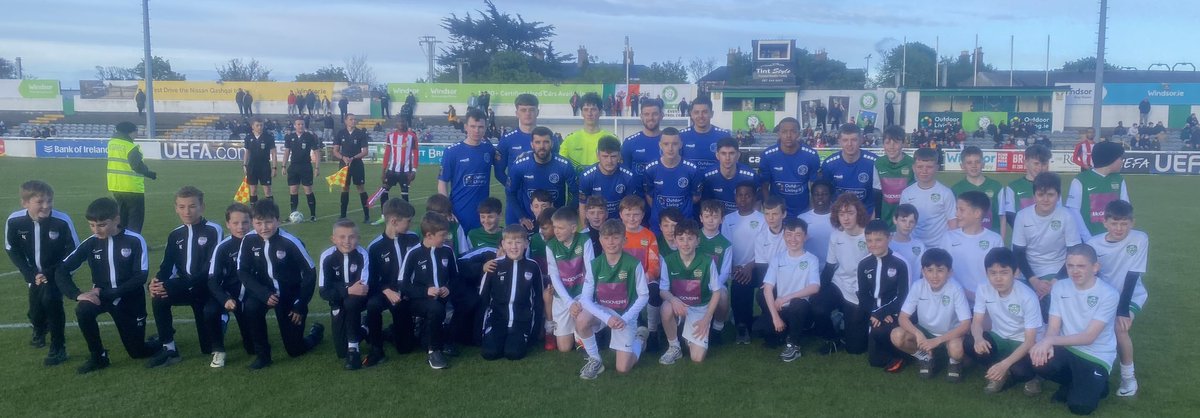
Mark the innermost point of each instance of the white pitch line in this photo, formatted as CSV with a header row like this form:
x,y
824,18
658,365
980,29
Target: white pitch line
x,y
148,322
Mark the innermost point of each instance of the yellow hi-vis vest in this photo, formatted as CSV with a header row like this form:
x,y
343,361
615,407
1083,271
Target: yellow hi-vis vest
x,y
121,177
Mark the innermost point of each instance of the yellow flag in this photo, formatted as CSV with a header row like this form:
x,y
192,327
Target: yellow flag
x,y
243,192
337,179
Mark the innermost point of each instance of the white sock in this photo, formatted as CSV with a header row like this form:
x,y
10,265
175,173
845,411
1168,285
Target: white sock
x,y
673,343
549,326
718,325
1127,371
352,346
170,346
638,344
653,320
953,361
921,355
589,345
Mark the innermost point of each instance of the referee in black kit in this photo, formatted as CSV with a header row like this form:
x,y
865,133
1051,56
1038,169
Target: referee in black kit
x,y
349,147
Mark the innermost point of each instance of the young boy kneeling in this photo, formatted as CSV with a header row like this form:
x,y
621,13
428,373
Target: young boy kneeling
x,y
1012,309
942,315
614,294
792,278
691,292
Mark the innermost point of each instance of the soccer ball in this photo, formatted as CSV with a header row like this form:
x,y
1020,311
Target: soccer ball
x,y
296,217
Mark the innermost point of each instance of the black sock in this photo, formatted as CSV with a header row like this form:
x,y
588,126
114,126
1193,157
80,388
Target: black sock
x,y
362,197
383,198
312,204
253,198
345,202
295,201
404,192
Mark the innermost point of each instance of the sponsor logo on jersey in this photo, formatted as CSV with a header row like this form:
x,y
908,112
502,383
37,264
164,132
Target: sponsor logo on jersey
x,y
126,252
945,300
1092,300
280,254
683,182
1014,309
53,235
202,240
1131,249
1055,225
862,177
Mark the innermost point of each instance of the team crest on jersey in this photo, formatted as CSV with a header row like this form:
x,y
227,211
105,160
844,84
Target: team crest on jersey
x,y
554,178
53,235
916,250
353,268
719,250
990,194
645,242
445,262
862,177
904,171
623,275
862,245
891,272
753,224
1014,309
683,182
125,252
712,147
620,188
1116,186
202,240
1131,249
803,265
1092,301
1056,225
984,244
945,300
528,276
280,254
697,273
936,197
578,250
802,170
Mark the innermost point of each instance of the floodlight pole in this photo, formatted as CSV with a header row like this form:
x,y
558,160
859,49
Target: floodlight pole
x,y
149,63
1098,89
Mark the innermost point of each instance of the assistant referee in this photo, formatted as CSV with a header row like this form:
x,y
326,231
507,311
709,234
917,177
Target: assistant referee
x,y
126,176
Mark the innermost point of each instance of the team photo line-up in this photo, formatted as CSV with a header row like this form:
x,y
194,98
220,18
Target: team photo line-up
x,y
634,244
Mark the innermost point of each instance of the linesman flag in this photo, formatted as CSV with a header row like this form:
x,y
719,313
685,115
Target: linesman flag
x,y
337,179
375,197
243,192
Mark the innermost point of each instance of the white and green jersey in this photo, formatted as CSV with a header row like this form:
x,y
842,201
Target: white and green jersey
x,y
968,252
938,311
566,265
693,283
994,192
1118,259
615,289
720,250
846,251
1010,315
820,228
1078,308
911,252
792,274
1090,192
1017,195
935,208
742,230
1045,238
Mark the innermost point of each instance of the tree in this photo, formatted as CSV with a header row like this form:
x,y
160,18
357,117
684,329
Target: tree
x,y
813,72
1087,64
962,69
359,71
700,67
327,73
740,69
669,72
236,70
160,70
7,69
480,40
918,71
115,73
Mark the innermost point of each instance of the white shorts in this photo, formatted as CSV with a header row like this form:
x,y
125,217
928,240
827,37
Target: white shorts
x,y
564,325
694,315
625,339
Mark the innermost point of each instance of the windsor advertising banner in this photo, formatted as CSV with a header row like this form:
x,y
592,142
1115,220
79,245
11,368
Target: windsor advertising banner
x,y
501,93
1158,93
29,89
72,149
939,120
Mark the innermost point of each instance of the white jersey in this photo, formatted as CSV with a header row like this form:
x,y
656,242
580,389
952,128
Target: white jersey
x,y
911,252
968,252
820,228
1010,315
742,231
1074,202
767,245
1045,238
939,311
792,274
846,251
1118,259
1078,308
935,208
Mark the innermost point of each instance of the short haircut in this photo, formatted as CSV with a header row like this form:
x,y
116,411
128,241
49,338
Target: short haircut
x,y
490,205
541,195
633,202
1118,210
671,131
976,199
438,203
591,98
526,99
792,224
515,231
103,209
260,120
821,182
345,223
187,192
788,119
848,200
594,202
703,100
1084,250
1047,181
612,227
673,214
893,133
848,129
712,206
265,209
937,257
542,131
971,150
399,209
476,114
747,185
689,227
545,218
728,142
906,209
1001,256
925,154
773,202
566,214
343,117
34,188
238,207
652,103
1038,152
877,226
433,223
608,143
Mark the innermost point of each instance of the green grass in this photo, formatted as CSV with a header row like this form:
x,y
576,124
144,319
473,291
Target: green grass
x,y
736,381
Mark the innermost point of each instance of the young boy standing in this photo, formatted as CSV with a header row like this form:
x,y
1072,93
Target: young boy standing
x,y
566,261
895,171
667,221
594,214
943,317
1019,193
614,294
742,227
1041,235
882,287
904,219
642,245
933,200
972,165
488,234
427,275
820,224
1092,189
37,239
1122,254
385,255
510,296
714,245
227,291
970,243
1012,309
792,278
696,296
839,280
342,280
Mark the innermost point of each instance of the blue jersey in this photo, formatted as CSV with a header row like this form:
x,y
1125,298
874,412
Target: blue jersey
x,y
556,176
468,169
788,176
510,147
716,186
640,150
671,188
859,177
612,187
701,148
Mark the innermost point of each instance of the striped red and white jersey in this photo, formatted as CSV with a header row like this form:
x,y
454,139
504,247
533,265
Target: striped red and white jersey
x,y
400,152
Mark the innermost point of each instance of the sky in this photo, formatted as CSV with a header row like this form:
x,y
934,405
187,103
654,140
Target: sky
x,y
66,39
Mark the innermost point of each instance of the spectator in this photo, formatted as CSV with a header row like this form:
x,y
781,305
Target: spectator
x,y
240,98
835,114
1144,111
822,113
140,99
378,127
1120,130
684,107
575,104
472,101
291,102
1082,155
385,104
249,103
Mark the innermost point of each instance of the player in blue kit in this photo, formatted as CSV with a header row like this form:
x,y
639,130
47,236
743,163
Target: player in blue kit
x,y
641,148
671,182
721,183
852,170
700,140
787,168
466,175
513,144
608,179
539,169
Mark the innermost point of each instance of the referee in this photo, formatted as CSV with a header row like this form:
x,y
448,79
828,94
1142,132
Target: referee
x,y
126,176
349,147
